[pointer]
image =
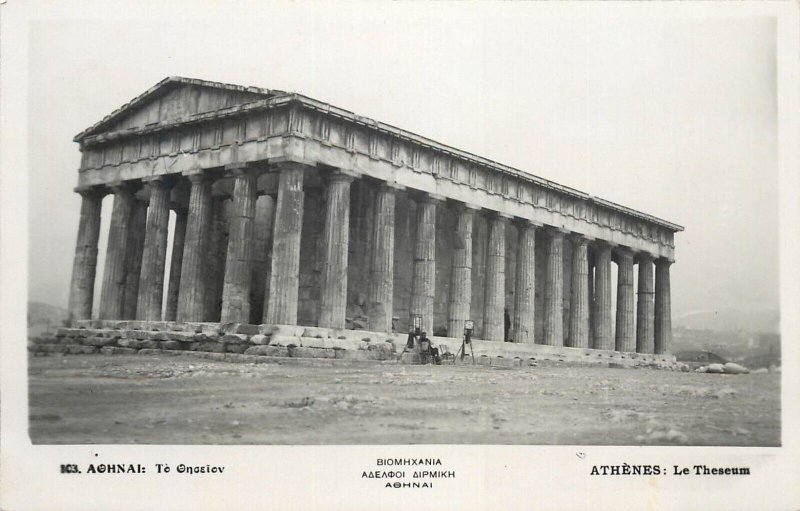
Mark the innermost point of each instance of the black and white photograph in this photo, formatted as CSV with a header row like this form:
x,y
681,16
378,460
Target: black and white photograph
x,y
399,255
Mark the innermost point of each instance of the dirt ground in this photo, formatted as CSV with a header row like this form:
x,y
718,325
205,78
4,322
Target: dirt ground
x,y
187,400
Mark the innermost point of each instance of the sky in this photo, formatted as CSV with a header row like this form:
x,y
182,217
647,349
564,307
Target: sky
x,y
672,115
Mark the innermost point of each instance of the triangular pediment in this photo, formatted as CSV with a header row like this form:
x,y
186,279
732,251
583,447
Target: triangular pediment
x,y
172,99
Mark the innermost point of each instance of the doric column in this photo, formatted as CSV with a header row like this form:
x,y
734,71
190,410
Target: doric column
x,y
554,290
238,263
625,337
336,237
602,328
214,261
154,257
461,277
663,321
191,304
113,292
380,291
579,298
284,276
176,260
525,285
133,258
644,306
262,258
590,292
423,287
495,297
84,265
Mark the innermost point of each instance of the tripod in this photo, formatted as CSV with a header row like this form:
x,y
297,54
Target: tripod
x,y
462,349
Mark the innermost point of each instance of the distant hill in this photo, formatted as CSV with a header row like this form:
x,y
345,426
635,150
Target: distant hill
x,y
731,320
43,317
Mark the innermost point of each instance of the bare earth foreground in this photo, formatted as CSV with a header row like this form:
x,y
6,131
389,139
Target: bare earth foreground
x,y
184,400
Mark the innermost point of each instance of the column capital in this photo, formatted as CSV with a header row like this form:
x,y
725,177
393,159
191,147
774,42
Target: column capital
x,y
342,176
196,176
644,257
121,187
89,192
527,222
497,215
664,261
391,186
556,232
603,244
623,251
580,239
290,165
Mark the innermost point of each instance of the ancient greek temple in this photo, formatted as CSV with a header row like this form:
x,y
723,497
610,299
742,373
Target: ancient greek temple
x,y
288,211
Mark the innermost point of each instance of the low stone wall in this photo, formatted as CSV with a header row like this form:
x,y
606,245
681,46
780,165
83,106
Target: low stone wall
x,y
254,343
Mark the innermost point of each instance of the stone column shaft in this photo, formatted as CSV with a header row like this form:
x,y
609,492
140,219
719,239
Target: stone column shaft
x,y
214,260
554,291
84,265
525,285
239,263
112,295
133,258
644,308
191,303
262,250
579,298
337,240
284,276
380,292
423,287
663,320
625,337
495,297
461,276
176,260
602,328
154,257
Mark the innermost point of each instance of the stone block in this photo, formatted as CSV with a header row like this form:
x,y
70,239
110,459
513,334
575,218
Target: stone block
x,y
312,331
210,329
484,360
247,329
100,341
171,345
260,339
314,342
161,335
290,330
284,340
181,336
304,352
236,347
113,350
228,328
77,349
235,338
211,346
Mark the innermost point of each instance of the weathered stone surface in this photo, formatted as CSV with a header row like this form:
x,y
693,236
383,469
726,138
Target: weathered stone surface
x,y
260,339
602,338
303,352
335,239
190,298
625,337
215,347
176,260
423,289
113,291
215,262
133,258
380,293
154,257
236,347
171,345
284,275
235,338
644,307
77,349
137,343
247,329
239,267
284,340
553,293
525,289
113,350
261,256
663,312
493,313
84,266
579,297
